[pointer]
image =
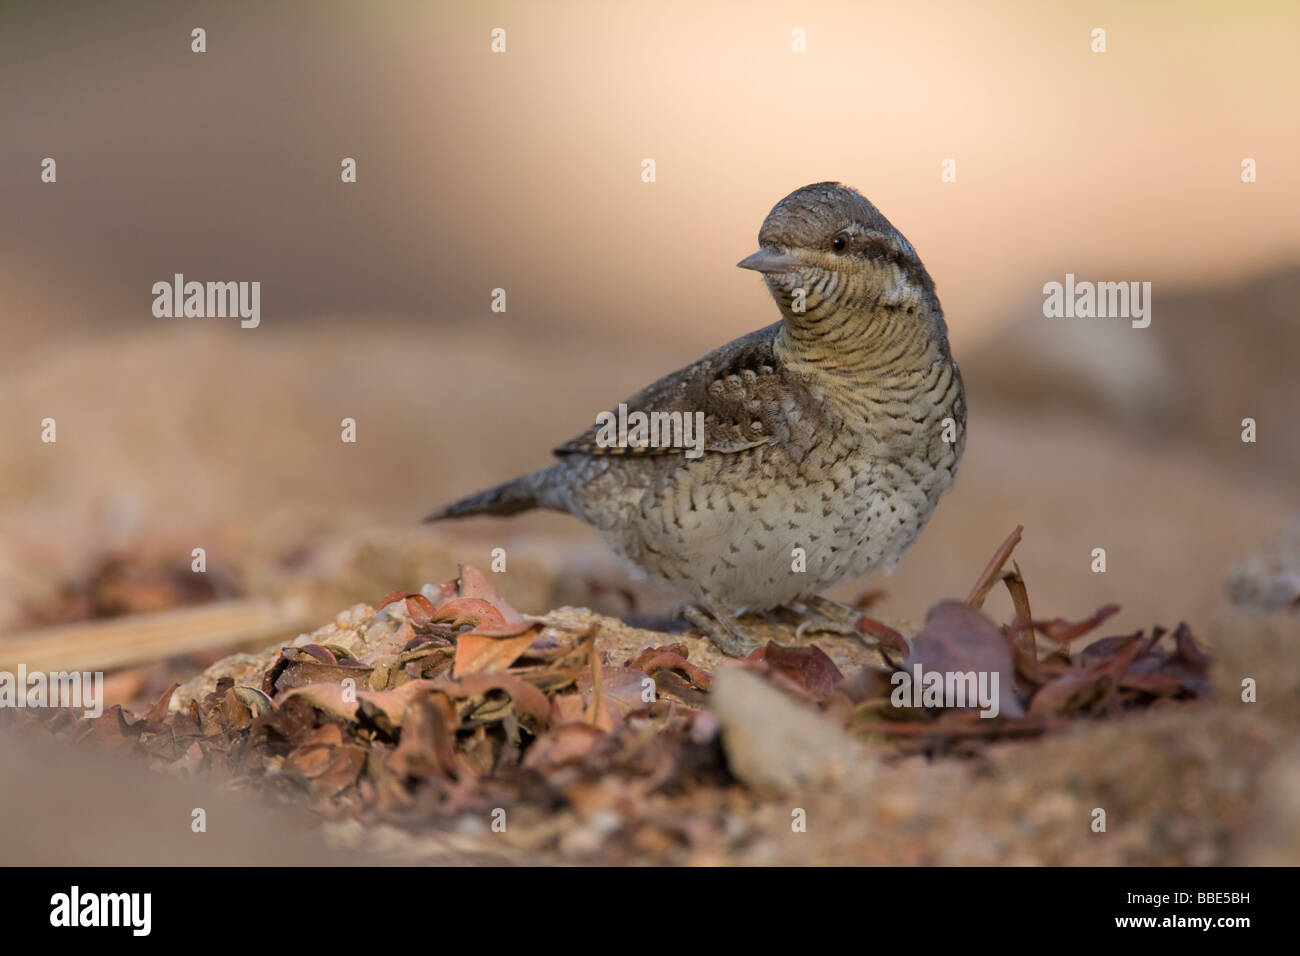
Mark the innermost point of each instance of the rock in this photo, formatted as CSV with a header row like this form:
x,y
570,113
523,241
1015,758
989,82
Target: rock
x,y
776,745
1268,578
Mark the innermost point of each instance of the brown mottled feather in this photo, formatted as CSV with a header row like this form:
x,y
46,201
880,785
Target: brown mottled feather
x,y
744,391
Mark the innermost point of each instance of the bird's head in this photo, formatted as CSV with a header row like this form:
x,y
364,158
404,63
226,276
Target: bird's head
x,y
825,250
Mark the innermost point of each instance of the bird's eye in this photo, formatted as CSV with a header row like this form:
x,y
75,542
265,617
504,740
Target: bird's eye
x,y
840,242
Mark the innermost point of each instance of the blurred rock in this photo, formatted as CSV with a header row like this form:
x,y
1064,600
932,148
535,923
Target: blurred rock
x,y
1268,578
1100,368
777,746
1211,357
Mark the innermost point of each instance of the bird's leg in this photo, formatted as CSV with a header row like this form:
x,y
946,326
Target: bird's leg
x,y
827,617
721,627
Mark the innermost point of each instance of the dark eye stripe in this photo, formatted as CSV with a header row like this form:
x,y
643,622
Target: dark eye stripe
x,y
876,248
868,246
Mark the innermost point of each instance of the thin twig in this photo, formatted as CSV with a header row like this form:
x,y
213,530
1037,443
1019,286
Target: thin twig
x,y
1015,582
989,576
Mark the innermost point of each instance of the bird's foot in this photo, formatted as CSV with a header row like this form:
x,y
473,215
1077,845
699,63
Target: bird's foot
x,y
824,616
727,634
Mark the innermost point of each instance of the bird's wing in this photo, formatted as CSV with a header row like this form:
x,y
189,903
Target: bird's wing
x,y
746,395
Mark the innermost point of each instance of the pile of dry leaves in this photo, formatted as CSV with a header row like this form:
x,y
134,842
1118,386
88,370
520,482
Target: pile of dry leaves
x,y
451,702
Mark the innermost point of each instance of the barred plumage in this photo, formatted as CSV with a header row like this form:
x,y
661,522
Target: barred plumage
x,y
833,431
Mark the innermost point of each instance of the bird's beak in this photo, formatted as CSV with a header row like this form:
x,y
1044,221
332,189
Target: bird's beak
x,y
769,260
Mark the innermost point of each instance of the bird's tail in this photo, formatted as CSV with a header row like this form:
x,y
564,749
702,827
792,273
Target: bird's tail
x,y
508,498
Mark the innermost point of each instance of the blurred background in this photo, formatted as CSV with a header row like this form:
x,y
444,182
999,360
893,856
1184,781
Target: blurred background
x,y
522,171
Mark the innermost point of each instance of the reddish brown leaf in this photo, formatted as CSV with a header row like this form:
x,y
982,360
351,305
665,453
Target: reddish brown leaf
x,y
322,654
807,667
473,584
1107,647
327,763
1157,685
527,698
389,598
387,708
477,653
427,745
327,697
419,610
1063,632
959,639
885,635
654,659
308,670
1072,692
463,610
564,745
622,689
159,710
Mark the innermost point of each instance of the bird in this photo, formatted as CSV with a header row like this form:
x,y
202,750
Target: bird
x,y
828,436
